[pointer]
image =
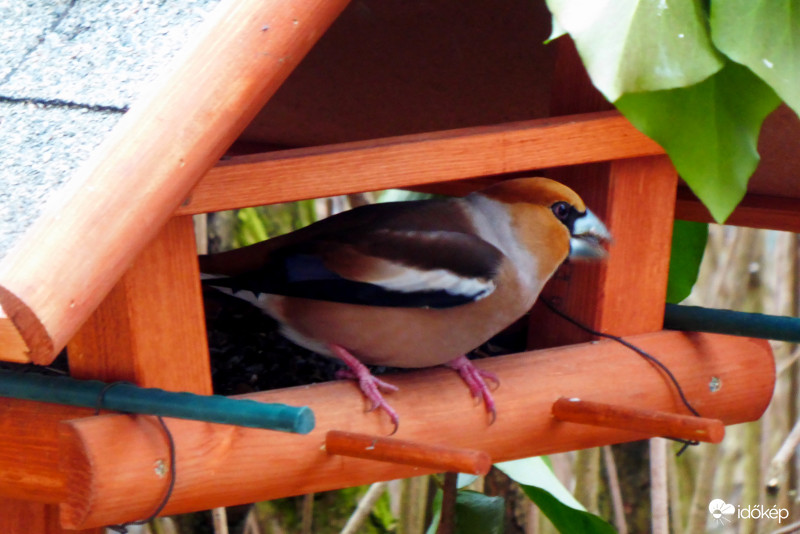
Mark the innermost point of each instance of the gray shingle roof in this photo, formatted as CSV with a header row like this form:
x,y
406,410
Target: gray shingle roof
x,y
68,70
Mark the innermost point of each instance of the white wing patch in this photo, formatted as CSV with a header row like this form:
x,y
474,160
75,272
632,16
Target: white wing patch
x,y
410,280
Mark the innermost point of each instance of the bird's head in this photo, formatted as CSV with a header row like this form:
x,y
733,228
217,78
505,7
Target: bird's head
x,y
541,204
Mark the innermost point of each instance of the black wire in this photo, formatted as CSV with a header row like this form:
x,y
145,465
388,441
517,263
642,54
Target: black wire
x,y
649,357
122,528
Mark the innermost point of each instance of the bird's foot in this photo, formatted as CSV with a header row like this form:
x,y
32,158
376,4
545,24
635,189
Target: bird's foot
x,y
370,385
476,382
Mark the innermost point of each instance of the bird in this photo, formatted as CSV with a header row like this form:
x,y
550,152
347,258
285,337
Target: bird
x,y
414,284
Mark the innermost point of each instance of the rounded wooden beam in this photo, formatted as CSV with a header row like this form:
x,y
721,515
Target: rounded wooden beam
x,y
93,229
109,460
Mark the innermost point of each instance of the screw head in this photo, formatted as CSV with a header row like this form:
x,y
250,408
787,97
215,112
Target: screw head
x,y
161,468
714,384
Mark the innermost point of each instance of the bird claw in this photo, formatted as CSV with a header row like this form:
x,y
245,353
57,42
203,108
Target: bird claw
x,y
370,385
476,382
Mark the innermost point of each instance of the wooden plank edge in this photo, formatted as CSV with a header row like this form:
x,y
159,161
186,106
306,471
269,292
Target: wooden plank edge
x,y
21,333
755,211
415,160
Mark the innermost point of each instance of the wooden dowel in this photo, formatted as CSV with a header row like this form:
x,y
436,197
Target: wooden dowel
x,y
108,460
655,423
382,449
117,202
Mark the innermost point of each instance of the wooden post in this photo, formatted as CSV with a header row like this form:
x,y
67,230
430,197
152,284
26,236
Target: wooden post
x,y
91,232
636,199
113,479
150,329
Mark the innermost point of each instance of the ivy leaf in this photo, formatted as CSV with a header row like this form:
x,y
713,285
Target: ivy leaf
x,y
566,520
710,131
764,35
556,31
476,513
688,245
639,45
554,500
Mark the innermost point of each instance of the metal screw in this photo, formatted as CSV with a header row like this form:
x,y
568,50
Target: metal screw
x,y
715,384
161,468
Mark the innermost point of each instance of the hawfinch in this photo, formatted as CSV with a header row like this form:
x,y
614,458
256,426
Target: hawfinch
x,y
414,284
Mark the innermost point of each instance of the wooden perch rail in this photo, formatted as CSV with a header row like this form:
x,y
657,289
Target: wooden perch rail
x,y
112,480
123,195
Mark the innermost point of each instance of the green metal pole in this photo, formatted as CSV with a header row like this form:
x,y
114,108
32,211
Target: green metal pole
x,y
129,398
697,319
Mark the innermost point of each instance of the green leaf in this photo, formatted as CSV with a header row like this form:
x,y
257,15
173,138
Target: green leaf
x,y
639,45
382,513
476,513
556,31
765,36
566,520
541,486
436,510
688,244
537,472
710,131
251,228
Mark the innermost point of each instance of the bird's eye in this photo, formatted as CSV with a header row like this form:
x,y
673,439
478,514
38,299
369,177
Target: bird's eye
x,y
561,210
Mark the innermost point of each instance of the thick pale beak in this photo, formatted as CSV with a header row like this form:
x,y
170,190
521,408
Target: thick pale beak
x,y
588,235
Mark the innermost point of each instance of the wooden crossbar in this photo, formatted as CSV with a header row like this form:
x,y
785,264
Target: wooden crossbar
x,y
416,160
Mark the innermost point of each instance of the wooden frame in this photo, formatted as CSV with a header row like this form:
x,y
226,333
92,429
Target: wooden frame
x,y
126,294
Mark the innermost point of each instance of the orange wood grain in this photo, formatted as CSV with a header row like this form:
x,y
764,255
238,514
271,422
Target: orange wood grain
x,y
29,454
414,453
92,230
12,346
625,294
23,517
755,211
688,427
414,160
150,329
113,479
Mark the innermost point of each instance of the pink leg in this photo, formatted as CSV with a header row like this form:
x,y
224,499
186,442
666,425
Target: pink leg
x,y
476,382
369,384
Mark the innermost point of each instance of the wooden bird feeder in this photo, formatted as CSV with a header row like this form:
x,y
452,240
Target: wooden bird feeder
x,y
126,297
